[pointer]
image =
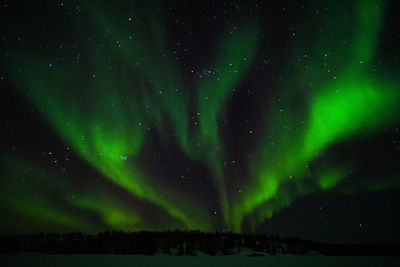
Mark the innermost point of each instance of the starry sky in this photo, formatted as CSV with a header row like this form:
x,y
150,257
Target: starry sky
x,y
246,116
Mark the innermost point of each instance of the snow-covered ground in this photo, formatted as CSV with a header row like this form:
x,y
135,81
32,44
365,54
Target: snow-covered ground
x,y
203,260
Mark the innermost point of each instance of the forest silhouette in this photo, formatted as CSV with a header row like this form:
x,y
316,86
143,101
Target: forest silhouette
x,y
179,243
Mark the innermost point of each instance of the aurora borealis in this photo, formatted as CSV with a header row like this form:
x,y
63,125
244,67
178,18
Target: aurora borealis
x,y
154,115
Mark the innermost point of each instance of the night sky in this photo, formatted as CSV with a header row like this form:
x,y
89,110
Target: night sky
x,y
248,116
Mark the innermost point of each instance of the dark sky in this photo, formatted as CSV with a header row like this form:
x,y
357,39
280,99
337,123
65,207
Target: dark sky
x,y
248,116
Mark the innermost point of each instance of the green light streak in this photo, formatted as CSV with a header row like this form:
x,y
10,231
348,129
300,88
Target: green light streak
x,y
355,101
336,114
107,123
104,136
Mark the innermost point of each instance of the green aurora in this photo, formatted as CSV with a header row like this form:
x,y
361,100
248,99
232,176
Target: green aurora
x,y
128,88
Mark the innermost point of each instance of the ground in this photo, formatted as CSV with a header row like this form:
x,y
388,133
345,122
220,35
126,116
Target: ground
x,y
165,260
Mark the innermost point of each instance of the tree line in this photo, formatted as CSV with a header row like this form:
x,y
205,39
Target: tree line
x,y
183,243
